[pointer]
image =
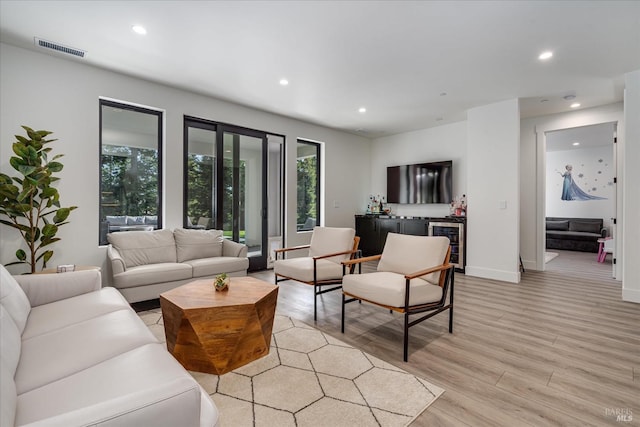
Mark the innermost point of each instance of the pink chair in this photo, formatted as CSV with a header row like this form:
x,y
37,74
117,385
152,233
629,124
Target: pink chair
x,y
607,248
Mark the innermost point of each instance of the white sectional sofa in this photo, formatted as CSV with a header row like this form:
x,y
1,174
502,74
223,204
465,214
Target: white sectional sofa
x,y
146,263
73,354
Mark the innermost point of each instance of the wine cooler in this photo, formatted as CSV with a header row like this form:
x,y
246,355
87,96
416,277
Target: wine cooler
x,y
455,232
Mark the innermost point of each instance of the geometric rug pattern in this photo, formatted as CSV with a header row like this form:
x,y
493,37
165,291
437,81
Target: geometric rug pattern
x,y
311,379
548,256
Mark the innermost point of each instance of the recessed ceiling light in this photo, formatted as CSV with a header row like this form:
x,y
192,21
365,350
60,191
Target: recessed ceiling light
x,y
575,144
139,29
284,82
362,110
575,105
545,55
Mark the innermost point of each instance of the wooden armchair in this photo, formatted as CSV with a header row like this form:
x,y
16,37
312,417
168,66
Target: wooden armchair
x,y
413,276
322,267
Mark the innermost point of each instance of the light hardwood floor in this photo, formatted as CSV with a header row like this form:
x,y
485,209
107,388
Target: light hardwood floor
x,y
550,350
580,264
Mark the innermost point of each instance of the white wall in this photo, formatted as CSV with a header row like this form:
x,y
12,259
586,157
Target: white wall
x,y
47,92
631,178
484,158
593,172
493,191
448,142
532,172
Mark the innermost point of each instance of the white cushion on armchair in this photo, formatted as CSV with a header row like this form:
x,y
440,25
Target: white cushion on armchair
x,y
302,269
406,254
324,241
402,255
327,240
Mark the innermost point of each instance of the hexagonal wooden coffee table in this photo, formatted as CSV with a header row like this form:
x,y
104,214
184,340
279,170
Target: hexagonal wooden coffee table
x,y
218,331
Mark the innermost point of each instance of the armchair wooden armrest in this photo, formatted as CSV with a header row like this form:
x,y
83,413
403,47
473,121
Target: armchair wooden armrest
x,y
293,248
428,271
335,254
359,260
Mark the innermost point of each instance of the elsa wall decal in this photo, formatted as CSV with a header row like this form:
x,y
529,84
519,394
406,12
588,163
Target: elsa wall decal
x,y
571,191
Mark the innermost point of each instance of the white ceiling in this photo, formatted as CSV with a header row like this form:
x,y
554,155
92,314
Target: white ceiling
x,y
587,137
394,58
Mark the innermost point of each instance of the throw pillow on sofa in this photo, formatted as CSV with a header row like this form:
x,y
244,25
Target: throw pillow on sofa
x,y
135,220
197,244
587,227
144,247
118,220
558,225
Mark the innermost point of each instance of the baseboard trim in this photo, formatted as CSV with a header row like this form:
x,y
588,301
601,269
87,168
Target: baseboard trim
x,y
630,295
488,273
530,265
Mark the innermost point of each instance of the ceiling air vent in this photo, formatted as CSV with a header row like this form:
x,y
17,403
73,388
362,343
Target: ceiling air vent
x,y
60,48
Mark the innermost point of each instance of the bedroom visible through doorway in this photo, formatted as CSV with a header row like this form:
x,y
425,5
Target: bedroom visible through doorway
x,y
580,198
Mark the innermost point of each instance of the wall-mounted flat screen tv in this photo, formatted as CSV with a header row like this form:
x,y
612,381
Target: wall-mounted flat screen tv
x,y
420,183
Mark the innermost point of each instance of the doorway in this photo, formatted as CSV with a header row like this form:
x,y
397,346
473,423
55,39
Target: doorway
x,y
229,184
579,189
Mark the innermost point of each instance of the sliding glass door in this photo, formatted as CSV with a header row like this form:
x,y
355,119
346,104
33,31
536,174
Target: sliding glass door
x,y
243,200
226,184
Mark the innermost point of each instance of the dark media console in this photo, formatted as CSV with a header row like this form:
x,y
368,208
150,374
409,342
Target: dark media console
x,y
373,230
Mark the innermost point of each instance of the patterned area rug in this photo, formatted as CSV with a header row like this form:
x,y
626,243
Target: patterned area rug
x,y
311,379
548,256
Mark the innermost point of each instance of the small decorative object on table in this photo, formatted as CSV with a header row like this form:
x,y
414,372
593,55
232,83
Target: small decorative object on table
x,y
376,204
65,268
458,206
222,282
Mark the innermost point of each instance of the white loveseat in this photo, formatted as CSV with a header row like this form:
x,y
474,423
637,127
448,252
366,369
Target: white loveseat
x,y
73,354
146,263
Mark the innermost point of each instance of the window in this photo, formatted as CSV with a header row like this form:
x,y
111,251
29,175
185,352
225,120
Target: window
x,y
130,168
308,178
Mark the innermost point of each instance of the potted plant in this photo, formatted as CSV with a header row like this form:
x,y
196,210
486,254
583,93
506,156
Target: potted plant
x,y
222,282
29,202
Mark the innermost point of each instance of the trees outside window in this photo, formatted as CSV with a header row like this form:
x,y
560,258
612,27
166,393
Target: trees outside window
x,y
200,172
308,188
129,181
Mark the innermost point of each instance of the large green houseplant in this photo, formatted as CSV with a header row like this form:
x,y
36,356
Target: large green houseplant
x,y
29,202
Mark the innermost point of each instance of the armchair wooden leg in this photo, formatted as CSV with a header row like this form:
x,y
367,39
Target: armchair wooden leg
x,y
342,324
406,336
315,303
451,305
